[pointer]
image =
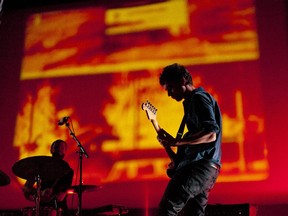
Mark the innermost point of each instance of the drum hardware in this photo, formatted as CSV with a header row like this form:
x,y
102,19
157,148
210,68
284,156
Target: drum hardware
x,y
44,211
111,210
4,179
85,188
38,196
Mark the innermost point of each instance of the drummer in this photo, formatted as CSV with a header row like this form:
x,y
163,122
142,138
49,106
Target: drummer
x,y
53,193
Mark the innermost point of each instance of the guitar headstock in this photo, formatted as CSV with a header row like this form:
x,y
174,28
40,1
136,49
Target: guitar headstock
x,y
151,110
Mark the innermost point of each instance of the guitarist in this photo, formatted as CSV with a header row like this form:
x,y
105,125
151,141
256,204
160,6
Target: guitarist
x,y
53,194
197,161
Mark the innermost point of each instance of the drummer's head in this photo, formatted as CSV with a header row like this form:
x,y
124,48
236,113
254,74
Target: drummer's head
x,y
58,148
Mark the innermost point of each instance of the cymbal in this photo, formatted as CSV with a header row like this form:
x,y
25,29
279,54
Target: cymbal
x,y
4,179
85,188
47,167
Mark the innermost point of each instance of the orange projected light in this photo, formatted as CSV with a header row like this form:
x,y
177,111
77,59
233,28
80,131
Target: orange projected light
x,y
101,67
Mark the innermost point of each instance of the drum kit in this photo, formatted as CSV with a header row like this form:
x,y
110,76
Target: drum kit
x,y
40,168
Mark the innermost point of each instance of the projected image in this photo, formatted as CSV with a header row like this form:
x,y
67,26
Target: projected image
x,y
98,65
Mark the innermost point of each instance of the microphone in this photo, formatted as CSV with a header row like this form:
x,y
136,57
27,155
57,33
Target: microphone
x,y
63,120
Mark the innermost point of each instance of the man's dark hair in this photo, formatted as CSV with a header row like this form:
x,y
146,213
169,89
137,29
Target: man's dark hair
x,y
175,73
57,142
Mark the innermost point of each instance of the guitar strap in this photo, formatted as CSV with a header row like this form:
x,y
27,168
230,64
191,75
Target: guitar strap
x,y
180,149
181,128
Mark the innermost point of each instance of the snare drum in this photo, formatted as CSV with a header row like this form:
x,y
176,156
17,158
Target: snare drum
x,y
43,211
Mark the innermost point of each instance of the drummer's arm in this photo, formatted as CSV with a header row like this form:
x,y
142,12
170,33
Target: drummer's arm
x,y
61,196
62,189
28,190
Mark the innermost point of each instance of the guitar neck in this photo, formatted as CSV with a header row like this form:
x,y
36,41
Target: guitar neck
x,y
155,125
168,149
170,153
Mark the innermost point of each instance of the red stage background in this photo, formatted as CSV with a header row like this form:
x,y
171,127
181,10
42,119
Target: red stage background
x,y
99,63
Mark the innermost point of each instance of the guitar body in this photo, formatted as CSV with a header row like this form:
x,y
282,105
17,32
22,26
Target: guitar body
x,y
170,171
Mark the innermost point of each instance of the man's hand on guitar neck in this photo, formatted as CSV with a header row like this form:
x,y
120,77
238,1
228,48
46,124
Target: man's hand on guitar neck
x,y
166,139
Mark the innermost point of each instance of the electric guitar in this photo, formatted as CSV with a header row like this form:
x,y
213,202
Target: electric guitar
x,y
151,112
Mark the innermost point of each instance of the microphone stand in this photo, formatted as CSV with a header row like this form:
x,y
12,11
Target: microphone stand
x,y
80,152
